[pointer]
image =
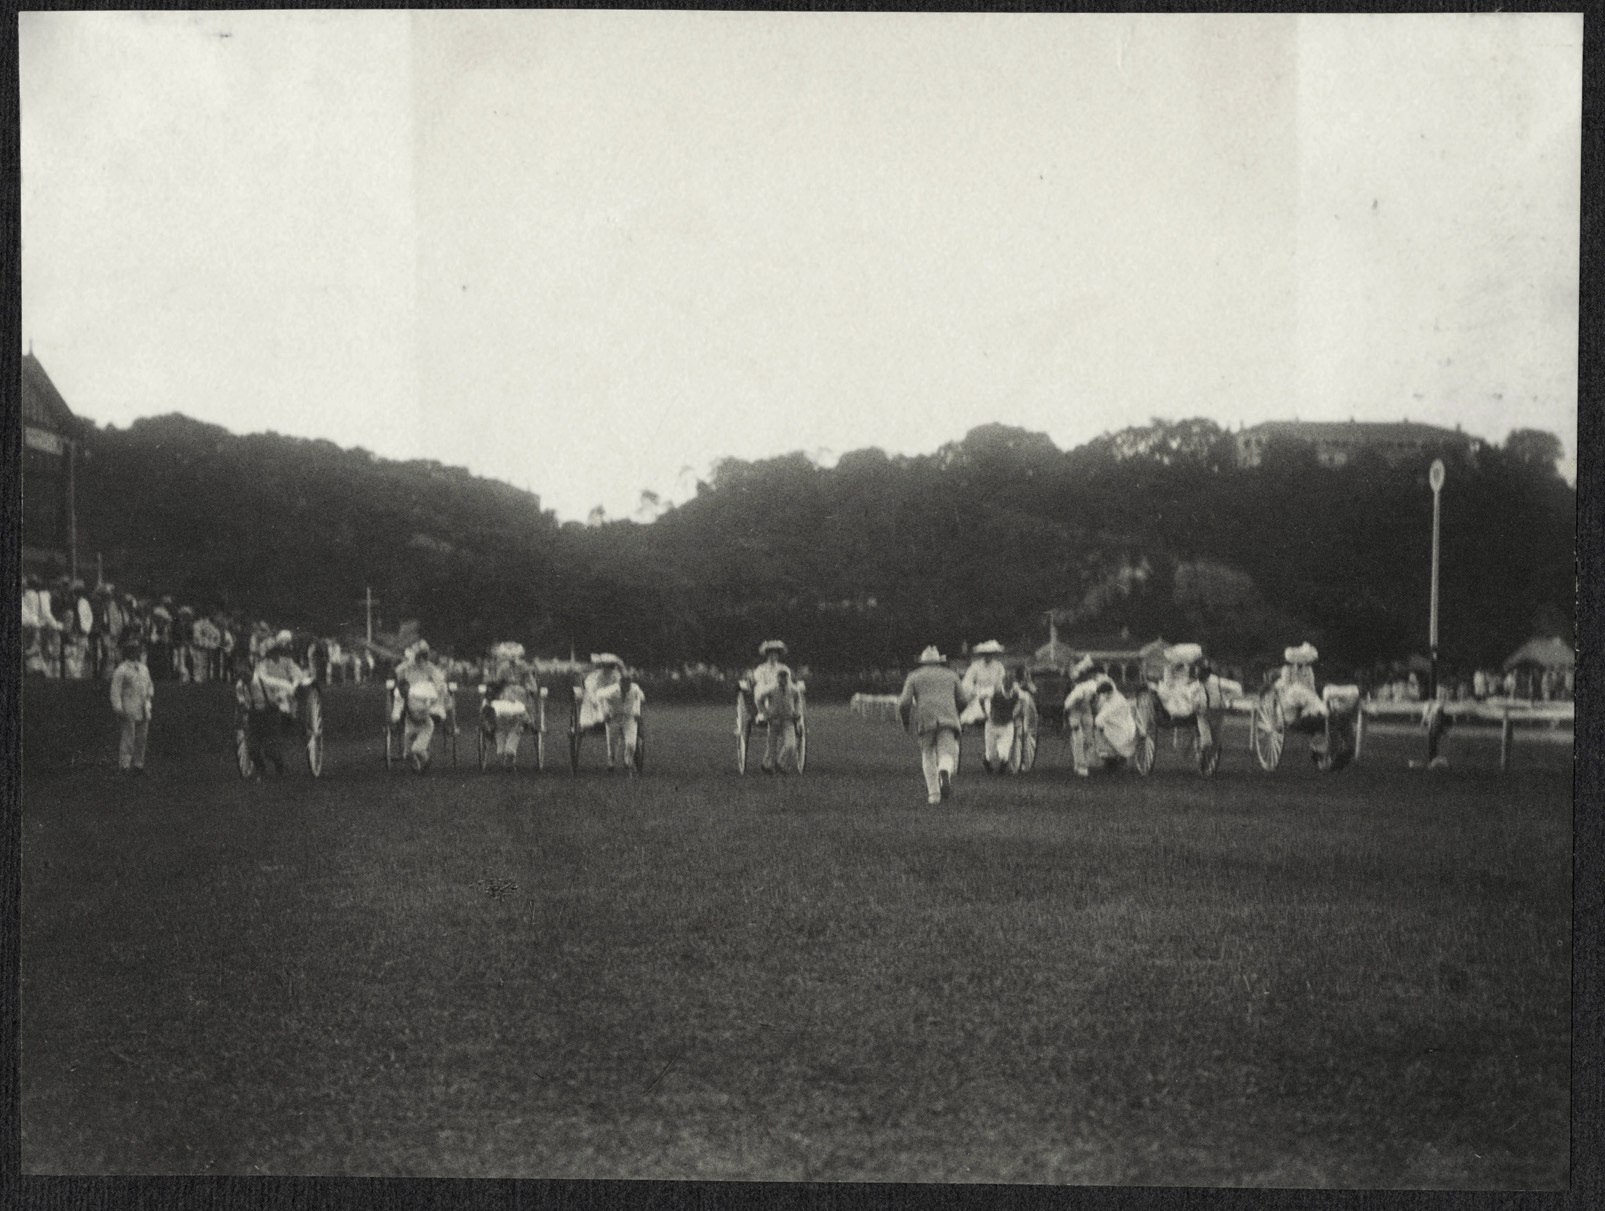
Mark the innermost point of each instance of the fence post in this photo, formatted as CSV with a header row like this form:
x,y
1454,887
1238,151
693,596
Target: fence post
x,y
1506,736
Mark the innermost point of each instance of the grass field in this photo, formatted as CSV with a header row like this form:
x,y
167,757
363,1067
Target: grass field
x,y
1349,980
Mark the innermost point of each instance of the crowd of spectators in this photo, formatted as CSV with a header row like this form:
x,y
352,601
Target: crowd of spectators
x,y
76,633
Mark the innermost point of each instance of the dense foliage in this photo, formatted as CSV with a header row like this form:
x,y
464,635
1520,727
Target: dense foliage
x,y
1153,529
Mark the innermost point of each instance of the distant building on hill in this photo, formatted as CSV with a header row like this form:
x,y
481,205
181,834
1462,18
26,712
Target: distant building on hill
x,y
52,449
1336,442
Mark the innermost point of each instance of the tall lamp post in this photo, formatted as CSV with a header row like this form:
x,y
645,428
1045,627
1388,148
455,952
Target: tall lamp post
x,y
1435,478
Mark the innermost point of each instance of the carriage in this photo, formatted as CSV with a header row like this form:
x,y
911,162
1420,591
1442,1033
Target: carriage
x,y
588,716
417,700
1027,719
494,712
750,719
258,733
1191,702
1082,713
1027,730
1290,704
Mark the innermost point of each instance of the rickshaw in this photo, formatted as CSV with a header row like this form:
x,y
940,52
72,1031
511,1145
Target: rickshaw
x,y
588,717
490,709
410,699
1186,697
254,746
1287,704
748,716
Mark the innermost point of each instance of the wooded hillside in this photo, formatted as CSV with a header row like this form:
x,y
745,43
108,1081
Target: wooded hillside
x,y
863,563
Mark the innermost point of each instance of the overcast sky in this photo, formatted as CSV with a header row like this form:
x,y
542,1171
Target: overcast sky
x,y
590,252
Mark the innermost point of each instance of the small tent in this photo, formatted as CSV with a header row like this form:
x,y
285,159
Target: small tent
x,y
1548,653
1542,668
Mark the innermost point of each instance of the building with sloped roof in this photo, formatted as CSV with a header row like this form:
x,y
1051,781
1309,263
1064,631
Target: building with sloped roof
x,y
52,451
1336,442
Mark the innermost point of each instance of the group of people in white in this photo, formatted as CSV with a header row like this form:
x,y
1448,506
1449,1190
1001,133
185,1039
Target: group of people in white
x,y
937,703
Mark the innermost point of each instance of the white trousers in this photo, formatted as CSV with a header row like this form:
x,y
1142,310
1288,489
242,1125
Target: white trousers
x,y
621,734
415,737
131,742
938,751
780,745
999,741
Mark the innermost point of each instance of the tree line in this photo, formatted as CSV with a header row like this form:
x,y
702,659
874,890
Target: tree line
x,y
858,565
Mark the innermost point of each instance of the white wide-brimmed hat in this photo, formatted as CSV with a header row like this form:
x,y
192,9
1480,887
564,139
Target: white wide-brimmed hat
x,y
1303,654
931,656
507,652
606,658
283,639
990,648
771,645
1183,653
1084,665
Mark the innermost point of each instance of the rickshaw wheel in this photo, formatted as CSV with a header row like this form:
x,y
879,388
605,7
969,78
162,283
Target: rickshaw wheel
x,y
1268,731
312,722
743,732
1143,759
242,750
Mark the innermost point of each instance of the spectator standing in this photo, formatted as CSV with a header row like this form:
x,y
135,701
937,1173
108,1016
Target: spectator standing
x,y
108,630
50,629
80,625
184,644
33,626
225,647
132,695
930,705
159,640
205,641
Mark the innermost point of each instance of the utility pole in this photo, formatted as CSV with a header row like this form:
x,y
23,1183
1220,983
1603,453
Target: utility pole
x,y
1435,478
368,593
72,509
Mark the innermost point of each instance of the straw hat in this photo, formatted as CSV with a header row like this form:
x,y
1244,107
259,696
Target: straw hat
x,y
1303,654
283,639
607,658
931,656
1183,653
771,645
990,648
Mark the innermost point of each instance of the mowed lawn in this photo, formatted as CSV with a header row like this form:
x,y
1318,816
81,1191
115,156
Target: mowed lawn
x,y
1296,979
